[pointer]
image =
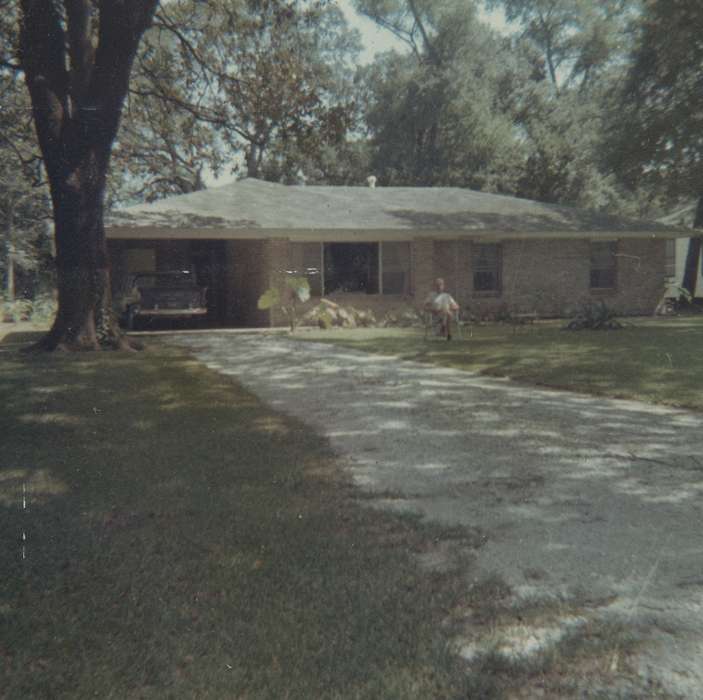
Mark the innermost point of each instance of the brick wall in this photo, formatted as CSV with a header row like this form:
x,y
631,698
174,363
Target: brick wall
x,y
246,279
552,277
423,262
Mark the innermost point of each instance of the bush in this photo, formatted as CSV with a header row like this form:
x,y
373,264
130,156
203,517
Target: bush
x,y
41,310
594,316
17,310
295,291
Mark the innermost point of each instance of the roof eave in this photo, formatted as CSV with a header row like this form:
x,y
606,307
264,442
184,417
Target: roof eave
x,y
385,234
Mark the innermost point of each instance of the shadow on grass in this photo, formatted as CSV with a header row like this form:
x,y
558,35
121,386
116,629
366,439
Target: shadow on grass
x,y
166,534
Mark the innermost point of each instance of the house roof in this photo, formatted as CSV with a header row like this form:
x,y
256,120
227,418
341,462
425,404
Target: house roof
x,y
257,209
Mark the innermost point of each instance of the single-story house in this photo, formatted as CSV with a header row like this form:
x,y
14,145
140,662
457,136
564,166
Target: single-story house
x,y
381,248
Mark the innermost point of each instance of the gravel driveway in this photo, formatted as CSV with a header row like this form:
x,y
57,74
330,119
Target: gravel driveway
x,y
576,493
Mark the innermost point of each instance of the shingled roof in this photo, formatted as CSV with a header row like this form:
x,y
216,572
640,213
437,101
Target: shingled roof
x,y
257,209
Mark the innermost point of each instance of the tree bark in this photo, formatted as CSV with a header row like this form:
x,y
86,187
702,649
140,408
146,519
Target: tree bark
x,y
77,66
693,255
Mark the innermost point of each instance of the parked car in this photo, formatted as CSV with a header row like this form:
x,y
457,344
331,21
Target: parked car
x,y
172,295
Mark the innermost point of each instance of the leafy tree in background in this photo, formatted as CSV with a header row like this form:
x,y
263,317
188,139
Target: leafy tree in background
x,y
437,115
166,141
658,128
24,206
572,53
576,39
521,115
270,80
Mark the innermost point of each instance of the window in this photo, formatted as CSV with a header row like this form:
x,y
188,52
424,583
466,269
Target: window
x,y
670,258
306,259
395,258
603,268
486,262
351,267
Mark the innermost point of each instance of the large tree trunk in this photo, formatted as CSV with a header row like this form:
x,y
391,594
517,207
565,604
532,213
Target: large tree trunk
x,y
85,319
693,255
77,60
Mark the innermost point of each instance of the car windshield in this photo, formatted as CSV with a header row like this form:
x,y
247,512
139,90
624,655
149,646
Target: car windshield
x,y
168,279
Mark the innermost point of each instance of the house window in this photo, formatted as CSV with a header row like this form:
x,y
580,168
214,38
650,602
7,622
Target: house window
x,y
395,264
351,267
670,258
306,261
487,263
603,267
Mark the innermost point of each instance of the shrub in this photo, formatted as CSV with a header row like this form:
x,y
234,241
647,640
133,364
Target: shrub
x,y
296,290
40,310
16,310
43,309
594,316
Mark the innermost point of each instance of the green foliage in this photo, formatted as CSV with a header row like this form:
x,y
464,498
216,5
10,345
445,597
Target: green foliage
x,y
595,316
577,39
523,115
656,124
270,81
16,310
40,310
299,288
295,291
270,298
439,118
24,202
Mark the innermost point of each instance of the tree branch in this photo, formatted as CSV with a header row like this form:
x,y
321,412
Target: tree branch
x,y
42,57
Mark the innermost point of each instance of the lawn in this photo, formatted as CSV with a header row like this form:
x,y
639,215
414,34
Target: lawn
x,y
655,360
164,534
167,535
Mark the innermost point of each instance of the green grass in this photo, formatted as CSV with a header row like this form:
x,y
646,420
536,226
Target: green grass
x,y
182,540
654,360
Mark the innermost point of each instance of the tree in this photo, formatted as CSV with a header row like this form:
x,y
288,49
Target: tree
x,y
269,80
411,21
77,56
437,115
570,54
577,39
23,196
657,128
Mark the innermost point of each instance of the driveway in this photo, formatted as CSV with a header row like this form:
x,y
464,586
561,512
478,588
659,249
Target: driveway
x,y
578,495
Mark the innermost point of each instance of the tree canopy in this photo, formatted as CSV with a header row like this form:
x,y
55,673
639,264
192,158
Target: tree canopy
x,y
269,81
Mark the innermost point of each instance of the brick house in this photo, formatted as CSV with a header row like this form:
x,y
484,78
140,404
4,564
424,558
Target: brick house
x,y
381,248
